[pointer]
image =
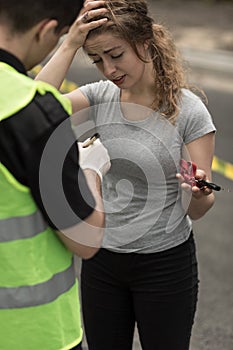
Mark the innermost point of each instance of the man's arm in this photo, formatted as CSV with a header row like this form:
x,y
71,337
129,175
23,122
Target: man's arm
x,y
71,199
84,239
66,197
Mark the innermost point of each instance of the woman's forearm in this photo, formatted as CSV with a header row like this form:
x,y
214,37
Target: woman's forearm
x,y
201,153
54,72
198,207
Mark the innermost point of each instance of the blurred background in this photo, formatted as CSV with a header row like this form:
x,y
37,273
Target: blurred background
x,y
203,31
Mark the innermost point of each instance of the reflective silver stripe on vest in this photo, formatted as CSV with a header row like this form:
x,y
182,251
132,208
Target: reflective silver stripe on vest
x,y
39,294
22,227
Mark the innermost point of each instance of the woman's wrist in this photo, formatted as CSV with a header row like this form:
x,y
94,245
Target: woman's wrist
x,y
68,47
200,205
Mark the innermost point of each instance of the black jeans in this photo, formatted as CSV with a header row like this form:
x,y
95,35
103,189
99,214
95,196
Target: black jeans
x,y
157,291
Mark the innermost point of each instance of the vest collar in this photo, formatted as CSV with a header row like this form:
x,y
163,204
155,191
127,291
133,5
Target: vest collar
x,y
12,60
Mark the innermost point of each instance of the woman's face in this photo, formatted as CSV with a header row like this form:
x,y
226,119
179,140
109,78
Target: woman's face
x,y
116,59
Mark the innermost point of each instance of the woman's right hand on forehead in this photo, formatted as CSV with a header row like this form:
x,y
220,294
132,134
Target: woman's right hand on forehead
x,y
86,22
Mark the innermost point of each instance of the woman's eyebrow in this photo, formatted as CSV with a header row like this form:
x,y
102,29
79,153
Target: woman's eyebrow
x,y
114,48
105,51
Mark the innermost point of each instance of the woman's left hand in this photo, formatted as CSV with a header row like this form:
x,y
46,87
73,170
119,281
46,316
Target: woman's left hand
x,y
197,191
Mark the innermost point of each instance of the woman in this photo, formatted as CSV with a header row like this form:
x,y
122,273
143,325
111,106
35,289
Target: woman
x,y
148,118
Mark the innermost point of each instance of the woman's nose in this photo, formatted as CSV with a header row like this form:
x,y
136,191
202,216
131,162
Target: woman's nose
x,y
109,68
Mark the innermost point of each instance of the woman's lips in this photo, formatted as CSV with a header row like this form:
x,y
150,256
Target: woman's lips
x,y
119,80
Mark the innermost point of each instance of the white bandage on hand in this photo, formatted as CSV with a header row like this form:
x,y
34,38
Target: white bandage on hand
x,y
94,157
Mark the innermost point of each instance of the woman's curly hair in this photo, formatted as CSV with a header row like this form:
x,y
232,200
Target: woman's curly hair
x,y
129,20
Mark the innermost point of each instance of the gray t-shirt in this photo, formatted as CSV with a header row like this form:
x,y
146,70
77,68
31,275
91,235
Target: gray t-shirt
x,y
142,197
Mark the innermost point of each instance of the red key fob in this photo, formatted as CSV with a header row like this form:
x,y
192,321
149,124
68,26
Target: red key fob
x,y
188,171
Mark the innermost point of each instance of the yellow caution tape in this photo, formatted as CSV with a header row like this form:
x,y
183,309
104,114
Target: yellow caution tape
x,y
222,167
67,86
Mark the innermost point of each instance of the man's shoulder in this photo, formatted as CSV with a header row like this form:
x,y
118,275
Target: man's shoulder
x,y
42,115
49,106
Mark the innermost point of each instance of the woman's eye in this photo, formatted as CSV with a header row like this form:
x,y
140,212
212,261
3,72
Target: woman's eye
x,y
117,56
96,61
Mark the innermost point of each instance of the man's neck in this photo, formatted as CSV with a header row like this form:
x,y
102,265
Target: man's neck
x,y
16,44
12,60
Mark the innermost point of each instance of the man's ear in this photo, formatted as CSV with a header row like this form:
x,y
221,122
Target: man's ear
x,y
45,27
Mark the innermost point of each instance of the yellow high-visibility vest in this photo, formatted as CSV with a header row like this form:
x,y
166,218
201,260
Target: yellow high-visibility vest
x,y
39,304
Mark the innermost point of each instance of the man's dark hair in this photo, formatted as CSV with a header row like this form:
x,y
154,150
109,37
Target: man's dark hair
x,y
22,15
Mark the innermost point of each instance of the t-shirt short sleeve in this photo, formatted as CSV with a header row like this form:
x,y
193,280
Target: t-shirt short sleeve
x,y
194,120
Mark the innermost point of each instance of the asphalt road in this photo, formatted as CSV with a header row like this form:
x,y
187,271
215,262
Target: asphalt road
x,y
213,328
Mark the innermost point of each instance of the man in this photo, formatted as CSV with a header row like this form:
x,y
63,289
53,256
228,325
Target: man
x,y
39,306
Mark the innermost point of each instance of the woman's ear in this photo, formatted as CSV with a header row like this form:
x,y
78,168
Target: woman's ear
x,y
46,27
146,44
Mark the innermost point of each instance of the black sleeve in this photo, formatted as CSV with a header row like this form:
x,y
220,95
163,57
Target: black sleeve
x,y
38,146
